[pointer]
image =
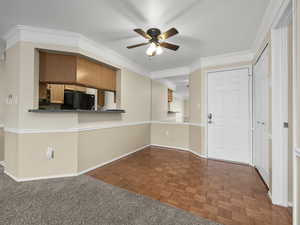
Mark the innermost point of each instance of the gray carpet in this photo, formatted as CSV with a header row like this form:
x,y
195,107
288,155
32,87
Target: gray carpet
x,y
82,200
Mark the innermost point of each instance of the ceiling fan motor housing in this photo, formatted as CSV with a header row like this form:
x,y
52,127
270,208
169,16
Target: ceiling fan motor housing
x,y
154,33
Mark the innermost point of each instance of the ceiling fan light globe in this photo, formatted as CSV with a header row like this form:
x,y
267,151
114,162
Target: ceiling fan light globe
x,y
151,49
159,50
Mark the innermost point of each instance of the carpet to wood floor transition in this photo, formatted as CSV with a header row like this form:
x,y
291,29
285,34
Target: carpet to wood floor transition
x,y
83,200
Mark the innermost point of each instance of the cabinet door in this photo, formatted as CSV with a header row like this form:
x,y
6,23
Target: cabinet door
x,y
57,68
57,93
75,88
42,91
88,73
101,98
108,78
170,95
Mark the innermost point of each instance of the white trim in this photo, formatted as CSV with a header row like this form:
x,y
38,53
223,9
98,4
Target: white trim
x,y
284,16
40,35
113,126
80,129
280,149
114,159
166,147
96,127
38,178
169,123
274,11
180,71
39,131
229,161
270,195
226,59
170,147
198,154
168,84
296,194
197,124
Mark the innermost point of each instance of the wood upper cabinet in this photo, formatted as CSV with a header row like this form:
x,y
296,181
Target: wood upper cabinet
x,y
108,78
170,95
57,93
57,68
88,73
77,70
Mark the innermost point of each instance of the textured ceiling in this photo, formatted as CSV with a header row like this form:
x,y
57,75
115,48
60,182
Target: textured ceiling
x,y
207,27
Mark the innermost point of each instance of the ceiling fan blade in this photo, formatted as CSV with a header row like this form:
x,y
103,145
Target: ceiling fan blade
x,y
138,45
168,34
142,33
169,46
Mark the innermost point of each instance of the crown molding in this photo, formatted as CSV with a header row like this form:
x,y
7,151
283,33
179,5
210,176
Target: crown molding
x,y
204,62
179,71
226,59
168,84
39,35
275,9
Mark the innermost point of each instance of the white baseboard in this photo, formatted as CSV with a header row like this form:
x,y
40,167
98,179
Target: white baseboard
x,y
198,154
38,178
270,196
170,147
110,161
178,148
99,165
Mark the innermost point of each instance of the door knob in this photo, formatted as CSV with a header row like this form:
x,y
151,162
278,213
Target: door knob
x,y
209,117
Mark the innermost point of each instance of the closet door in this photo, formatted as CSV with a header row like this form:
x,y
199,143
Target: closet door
x,y
260,109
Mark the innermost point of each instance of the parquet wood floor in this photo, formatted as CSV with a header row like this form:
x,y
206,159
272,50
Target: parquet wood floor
x,y
227,193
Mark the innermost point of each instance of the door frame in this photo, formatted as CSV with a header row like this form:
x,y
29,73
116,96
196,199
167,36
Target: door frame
x,y
205,100
266,180
280,152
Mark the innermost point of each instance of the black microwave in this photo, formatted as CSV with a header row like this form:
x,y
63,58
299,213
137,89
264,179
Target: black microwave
x,y
78,100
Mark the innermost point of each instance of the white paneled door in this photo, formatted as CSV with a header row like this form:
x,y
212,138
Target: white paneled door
x,y
229,115
260,115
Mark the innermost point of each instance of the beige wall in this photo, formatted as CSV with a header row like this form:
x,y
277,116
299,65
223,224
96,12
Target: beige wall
x,y
159,100
186,110
2,97
11,153
1,144
32,160
197,139
170,135
25,154
100,146
2,92
196,96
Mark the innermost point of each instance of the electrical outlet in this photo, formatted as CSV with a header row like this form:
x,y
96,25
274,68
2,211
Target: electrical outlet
x,y
50,153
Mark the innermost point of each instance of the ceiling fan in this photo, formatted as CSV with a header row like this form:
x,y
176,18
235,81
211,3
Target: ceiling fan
x,y
154,37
